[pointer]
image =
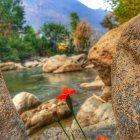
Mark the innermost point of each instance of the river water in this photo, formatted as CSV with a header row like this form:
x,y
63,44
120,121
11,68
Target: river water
x,y
47,86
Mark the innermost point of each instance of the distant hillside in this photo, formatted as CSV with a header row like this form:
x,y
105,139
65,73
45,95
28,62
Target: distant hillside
x,y
40,11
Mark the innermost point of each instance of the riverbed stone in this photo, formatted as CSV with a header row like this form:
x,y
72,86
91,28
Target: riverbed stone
x,y
43,115
92,132
63,63
30,64
90,66
95,85
25,101
106,93
8,66
94,112
19,66
69,67
81,58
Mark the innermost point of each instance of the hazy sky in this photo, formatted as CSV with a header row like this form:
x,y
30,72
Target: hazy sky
x,y
95,4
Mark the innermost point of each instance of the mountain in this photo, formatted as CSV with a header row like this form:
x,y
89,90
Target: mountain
x,y
39,11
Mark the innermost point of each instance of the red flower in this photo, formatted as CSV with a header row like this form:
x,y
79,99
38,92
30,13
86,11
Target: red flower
x,y
65,93
100,138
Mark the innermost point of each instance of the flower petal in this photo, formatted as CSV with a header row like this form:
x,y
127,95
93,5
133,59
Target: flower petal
x,y
62,97
66,90
73,92
99,138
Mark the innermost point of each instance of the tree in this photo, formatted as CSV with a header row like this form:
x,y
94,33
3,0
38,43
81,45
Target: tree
x,y
41,46
109,21
125,9
82,36
12,16
16,48
55,33
12,127
74,19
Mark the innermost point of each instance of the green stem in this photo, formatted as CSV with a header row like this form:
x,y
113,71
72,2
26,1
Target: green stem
x,y
79,125
72,111
63,130
73,136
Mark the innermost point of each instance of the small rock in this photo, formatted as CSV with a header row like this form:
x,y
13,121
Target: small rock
x,y
31,64
91,66
106,94
8,66
19,66
25,101
96,85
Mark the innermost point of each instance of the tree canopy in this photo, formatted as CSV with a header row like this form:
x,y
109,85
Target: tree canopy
x,y
74,19
82,35
125,9
109,21
11,15
54,32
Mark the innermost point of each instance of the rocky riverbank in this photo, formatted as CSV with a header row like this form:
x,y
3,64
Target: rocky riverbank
x,y
63,63
55,64
7,66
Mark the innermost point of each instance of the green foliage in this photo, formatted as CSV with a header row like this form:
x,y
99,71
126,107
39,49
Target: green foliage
x,y
12,13
71,47
125,9
54,32
6,52
74,19
109,21
41,46
16,49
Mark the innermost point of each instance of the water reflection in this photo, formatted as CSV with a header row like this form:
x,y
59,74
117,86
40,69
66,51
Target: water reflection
x,y
47,86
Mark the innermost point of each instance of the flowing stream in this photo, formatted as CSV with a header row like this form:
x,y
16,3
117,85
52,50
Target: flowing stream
x,y
47,86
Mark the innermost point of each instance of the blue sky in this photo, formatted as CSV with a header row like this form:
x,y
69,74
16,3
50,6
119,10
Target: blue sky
x,y
95,4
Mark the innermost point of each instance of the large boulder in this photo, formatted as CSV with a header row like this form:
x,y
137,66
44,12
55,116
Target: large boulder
x,y
53,63
126,82
11,126
68,67
94,112
43,114
63,63
25,101
102,53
